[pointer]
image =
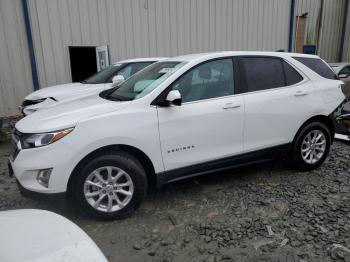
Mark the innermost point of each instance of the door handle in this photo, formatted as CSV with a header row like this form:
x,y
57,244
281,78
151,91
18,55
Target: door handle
x,y
301,93
231,106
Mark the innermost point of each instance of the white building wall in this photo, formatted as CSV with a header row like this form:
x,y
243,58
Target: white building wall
x,y
141,28
331,29
15,71
332,19
346,50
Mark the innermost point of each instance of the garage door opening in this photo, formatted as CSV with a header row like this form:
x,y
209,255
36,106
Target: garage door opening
x,y
82,62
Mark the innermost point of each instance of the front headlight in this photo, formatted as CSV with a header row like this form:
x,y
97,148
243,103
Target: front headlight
x,y
38,140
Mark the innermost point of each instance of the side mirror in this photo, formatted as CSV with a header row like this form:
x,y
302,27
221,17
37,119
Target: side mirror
x,y
174,98
342,76
117,80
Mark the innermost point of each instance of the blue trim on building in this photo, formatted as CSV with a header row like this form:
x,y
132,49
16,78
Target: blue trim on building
x,y
343,31
291,25
30,45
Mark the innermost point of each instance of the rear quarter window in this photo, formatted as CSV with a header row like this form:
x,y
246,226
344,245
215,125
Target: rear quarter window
x,y
292,76
318,66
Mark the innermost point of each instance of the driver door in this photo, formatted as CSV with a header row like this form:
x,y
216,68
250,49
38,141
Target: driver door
x,y
208,126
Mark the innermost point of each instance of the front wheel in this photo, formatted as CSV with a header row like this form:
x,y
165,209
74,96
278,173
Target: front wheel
x,y
311,147
110,186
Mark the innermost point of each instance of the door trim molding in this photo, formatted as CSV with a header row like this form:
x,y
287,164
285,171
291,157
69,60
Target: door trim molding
x,y
259,156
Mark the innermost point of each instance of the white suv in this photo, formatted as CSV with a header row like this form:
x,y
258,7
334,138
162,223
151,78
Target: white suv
x,y
178,118
103,80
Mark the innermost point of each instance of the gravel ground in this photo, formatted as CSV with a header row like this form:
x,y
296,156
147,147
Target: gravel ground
x,y
258,213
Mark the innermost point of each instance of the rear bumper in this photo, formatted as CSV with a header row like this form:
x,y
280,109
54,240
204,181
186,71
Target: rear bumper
x,y
342,137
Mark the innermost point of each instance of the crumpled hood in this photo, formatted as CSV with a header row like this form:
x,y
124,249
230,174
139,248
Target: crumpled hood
x,y
60,92
67,114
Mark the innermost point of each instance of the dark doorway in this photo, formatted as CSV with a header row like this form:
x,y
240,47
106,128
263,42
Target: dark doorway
x,y
82,62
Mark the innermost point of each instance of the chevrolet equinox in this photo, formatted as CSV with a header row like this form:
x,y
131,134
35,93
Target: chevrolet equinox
x,y
178,118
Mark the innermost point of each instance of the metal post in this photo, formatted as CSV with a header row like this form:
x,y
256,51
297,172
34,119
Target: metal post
x,y
30,45
291,25
342,39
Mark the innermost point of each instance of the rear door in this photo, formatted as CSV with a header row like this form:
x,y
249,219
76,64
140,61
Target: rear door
x,y
277,101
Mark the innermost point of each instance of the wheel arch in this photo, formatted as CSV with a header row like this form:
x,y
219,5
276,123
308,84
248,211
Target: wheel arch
x,y
326,120
137,153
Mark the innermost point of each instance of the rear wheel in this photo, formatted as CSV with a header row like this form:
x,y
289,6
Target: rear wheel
x,y
111,186
311,147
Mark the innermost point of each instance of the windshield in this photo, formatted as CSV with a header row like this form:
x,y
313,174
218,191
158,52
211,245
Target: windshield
x,y
104,76
144,82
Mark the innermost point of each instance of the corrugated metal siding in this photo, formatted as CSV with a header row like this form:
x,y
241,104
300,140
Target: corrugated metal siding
x,y
15,74
331,25
346,51
141,28
312,8
331,29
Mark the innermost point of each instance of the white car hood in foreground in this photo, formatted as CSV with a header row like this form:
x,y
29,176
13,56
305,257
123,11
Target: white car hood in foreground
x,y
62,92
40,236
67,114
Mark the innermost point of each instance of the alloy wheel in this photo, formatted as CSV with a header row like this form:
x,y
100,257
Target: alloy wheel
x,y
108,189
313,146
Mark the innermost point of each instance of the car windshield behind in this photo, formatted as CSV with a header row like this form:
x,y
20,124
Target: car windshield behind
x,y
334,67
145,81
104,76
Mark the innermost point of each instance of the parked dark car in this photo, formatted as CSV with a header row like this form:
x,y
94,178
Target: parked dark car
x,y
343,123
1,134
343,72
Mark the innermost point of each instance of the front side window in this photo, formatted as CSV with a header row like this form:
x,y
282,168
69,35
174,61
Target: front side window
x,y
263,73
210,80
145,81
318,66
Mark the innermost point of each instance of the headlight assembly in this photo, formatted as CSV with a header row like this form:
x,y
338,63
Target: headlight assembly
x,y
39,140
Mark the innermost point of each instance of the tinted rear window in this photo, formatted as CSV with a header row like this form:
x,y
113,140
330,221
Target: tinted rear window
x,y
318,66
263,73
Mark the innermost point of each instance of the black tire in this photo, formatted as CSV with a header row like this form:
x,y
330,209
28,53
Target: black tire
x,y
295,159
121,160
